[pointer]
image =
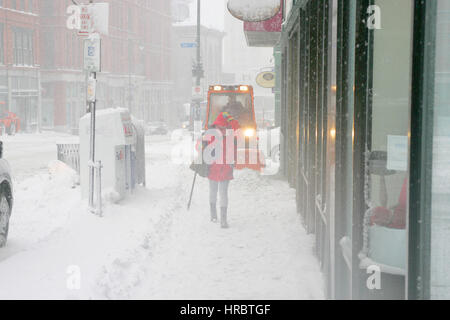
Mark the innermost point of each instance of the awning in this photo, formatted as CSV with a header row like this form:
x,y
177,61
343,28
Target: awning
x,y
264,33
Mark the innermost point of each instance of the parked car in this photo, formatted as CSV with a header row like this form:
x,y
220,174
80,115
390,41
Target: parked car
x,y
9,123
6,197
156,128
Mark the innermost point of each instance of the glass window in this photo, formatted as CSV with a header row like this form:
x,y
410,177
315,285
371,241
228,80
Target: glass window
x,y
387,175
346,110
345,58
220,100
23,47
440,220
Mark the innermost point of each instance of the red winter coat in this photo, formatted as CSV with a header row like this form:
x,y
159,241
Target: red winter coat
x,y
223,171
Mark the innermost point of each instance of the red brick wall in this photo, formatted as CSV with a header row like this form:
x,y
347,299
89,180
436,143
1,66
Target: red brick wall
x,y
12,18
60,104
149,27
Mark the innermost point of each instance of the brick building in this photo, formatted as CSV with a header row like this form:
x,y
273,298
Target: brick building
x,y
135,62
20,60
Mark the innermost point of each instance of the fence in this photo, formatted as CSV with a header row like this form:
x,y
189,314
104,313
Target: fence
x,y
70,155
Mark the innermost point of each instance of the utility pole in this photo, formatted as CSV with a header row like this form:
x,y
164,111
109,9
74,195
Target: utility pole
x,y
197,71
199,65
94,167
81,19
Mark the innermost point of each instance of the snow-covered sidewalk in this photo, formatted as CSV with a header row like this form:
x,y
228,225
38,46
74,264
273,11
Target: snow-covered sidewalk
x,y
150,246
266,253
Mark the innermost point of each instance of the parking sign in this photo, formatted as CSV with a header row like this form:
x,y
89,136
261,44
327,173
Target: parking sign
x,y
92,55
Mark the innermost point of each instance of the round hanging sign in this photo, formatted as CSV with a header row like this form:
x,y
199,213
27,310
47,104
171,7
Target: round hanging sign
x,y
266,79
254,10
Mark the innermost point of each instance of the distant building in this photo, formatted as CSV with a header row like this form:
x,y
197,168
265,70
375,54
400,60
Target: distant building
x,y
184,55
135,63
20,60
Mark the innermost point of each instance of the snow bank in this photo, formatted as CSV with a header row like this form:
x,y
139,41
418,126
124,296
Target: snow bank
x,y
29,154
63,174
254,10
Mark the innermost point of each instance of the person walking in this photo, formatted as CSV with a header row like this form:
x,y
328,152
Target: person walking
x,y
221,172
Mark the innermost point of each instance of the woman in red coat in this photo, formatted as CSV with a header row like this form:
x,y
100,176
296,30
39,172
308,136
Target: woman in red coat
x,y
221,172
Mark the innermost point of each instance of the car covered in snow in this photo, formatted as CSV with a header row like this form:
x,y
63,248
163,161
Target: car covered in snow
x,y
9,123
6,197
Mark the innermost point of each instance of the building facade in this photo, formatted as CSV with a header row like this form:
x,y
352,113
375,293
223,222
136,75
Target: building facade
x,y
136,63
365,118
20,61
184,55
365,113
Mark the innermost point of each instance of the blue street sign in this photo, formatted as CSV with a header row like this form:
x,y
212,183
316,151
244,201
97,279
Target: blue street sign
x,y
189,45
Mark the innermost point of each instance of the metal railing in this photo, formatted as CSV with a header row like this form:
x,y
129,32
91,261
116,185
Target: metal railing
x,y
70,155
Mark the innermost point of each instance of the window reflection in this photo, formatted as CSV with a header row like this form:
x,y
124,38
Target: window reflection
x,y
387,157
440,230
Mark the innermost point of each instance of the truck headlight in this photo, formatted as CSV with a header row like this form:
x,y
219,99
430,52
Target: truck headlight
x,y
249,133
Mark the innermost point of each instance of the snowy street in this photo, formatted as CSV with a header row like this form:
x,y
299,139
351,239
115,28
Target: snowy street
x,y
149,246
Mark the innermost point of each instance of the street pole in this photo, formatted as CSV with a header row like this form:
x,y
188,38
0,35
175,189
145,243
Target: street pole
x,y
93,166
198,69
198,41
92,109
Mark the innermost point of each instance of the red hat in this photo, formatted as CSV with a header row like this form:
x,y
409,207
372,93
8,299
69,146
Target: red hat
x,y
227,121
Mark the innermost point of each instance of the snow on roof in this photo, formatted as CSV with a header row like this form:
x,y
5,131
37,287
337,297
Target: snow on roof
x,y
254,10
106,112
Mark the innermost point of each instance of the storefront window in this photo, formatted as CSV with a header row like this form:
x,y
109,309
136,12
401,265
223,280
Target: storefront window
x,y
386,181
347,111
440,220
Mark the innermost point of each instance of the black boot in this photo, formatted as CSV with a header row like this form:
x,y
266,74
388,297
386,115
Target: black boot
x,y
223,218
213,212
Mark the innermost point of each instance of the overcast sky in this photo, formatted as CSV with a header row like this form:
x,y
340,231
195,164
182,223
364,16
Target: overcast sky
x,y
213,12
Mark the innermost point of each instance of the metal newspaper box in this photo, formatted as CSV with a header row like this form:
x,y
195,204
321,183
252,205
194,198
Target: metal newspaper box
x,y
120,146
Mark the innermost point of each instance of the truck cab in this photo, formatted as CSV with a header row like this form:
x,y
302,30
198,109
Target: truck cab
x,y
222,96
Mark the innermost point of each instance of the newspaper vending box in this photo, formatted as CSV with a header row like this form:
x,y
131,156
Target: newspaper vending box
x,y
120,146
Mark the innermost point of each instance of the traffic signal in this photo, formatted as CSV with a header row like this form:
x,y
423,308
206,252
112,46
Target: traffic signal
x,y
197,70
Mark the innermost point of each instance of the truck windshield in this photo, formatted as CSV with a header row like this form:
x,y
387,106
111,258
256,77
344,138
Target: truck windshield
x,y
219,102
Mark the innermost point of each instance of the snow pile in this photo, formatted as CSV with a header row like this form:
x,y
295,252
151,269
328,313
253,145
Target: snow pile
x,y
254,10
63,174
29,154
